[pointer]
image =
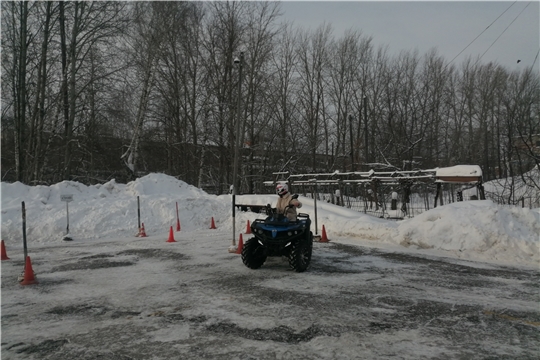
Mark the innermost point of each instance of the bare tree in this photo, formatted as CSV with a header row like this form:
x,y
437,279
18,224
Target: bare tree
x,y
259,45
526,126
349,55
430,90
89,87
36,144
15,21
83,25
181,85
146,42
277,138
225,30
373,106
313,60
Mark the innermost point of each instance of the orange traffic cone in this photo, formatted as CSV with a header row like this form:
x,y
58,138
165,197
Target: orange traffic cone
x,y
3,254
240,245
142,232
171,236
177,224
29,278
324,237
248,228
213,225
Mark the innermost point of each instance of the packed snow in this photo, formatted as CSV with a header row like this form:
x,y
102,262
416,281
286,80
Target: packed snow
x,y
473,230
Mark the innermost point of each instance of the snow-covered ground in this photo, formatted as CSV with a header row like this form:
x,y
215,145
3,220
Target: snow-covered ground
x,y
417,288
472,230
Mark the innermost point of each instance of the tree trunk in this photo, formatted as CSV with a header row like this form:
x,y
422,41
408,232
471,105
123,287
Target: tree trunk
x,y
39,112
20,116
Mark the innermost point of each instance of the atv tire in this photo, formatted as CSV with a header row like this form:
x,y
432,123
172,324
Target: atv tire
x,y
253,254
300,255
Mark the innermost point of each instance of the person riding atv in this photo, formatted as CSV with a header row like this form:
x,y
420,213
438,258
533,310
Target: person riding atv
x,y
286,204
282,233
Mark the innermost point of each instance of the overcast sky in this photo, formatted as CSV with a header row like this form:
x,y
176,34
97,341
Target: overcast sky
x,y
447,25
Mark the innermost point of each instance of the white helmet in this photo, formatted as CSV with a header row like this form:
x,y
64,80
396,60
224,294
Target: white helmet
x,y
282,189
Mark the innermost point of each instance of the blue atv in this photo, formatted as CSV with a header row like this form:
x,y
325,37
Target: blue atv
x,y
278,236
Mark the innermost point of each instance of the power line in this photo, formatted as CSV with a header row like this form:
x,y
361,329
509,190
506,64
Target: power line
x,y
501,33
482,32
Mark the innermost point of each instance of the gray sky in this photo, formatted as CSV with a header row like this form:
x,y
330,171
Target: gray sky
x,y
447,25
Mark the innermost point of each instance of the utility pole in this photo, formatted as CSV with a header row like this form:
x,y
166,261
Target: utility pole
x,y
237,145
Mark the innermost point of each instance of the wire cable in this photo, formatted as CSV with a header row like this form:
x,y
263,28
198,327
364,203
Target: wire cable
x,y
501,34
482,33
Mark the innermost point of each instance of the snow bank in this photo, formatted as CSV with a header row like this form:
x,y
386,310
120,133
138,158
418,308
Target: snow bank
x,y
481,228
107,210
478,230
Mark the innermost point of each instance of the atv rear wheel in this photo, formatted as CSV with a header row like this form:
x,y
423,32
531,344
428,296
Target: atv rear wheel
x,y
300,255
253,254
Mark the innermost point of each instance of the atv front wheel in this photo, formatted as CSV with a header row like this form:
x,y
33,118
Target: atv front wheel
x,y
300,255
253,254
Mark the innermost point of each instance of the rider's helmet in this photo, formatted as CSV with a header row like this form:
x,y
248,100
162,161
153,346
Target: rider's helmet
x,y
282,189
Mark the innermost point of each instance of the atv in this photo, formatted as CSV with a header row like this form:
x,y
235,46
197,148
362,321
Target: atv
x,y
278,236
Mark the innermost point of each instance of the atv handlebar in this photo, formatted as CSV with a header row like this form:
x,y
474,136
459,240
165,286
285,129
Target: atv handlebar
x,y
270,210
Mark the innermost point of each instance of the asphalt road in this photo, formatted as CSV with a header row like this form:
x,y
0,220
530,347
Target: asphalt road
x,y
152,300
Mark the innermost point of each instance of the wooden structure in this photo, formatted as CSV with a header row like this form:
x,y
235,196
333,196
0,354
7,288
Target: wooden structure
x,y
369,191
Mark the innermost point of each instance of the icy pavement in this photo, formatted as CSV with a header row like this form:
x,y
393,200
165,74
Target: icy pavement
x,y
144,298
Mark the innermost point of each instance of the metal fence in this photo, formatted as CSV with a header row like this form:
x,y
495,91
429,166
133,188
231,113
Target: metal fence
x,y
390,201
399,195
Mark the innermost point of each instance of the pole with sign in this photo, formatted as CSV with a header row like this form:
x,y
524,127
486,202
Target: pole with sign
x,y
67,198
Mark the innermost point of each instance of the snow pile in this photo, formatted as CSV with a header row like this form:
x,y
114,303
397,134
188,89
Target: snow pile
x,y
108,210
512,189
476,230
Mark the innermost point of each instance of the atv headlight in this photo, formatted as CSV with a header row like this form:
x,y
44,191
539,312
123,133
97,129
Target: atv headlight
x,y
260,231
289,233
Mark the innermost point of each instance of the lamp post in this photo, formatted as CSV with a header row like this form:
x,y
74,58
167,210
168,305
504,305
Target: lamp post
x,y
366,135
351,138
239,62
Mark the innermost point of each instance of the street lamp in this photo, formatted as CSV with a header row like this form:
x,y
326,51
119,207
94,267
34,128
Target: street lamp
x,y
239,63
352,143
366,135
235,184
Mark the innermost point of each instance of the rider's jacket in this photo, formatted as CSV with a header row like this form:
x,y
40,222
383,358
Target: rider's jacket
x,y
283,202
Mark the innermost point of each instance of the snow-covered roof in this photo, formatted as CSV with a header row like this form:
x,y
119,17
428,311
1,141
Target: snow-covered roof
x,y
453,174
459,171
